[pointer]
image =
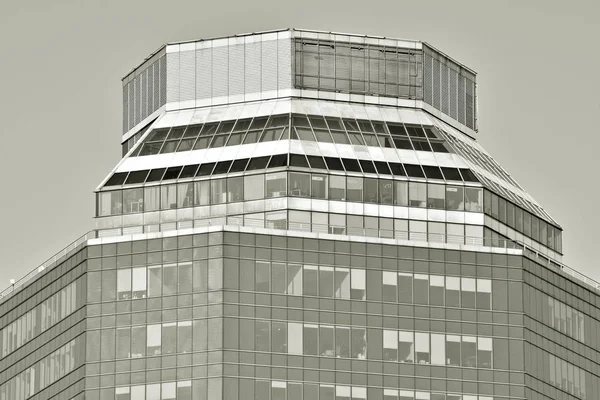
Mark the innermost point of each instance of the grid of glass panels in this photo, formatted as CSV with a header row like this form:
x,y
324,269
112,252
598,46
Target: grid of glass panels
x,y
277,127
359,68
522,221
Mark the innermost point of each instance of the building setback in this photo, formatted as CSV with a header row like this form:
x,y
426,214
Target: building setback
x,y
304,215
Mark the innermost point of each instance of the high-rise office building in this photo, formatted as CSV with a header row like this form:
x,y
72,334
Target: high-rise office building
x,y
302,215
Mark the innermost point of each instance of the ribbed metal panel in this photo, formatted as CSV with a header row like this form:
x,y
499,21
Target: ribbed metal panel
x,y
268,64
203,73
172,77
453,93
151,103
144,95
427,78
252,67
236,69
470,103
156,86
125,108
284,64
131,105
163,80
436,84
220,75
461,99
187,75
444,88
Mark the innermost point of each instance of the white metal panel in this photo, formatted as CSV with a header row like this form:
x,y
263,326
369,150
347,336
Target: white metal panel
x,y
320,205
371,209
436,215
401,212
269,66
203,72
474,218
376,153
455,217
284,64
386,211
187,76
252,67
236,69
173,77
220,61
417,213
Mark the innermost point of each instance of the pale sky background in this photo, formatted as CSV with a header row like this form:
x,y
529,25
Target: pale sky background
x,y
61,64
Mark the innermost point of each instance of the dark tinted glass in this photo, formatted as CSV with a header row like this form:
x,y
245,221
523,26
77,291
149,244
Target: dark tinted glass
x,y
298,160
316,162
258,163
414,170
117,179
222,167
137,176
279,160
451,174
172,173
205,169
468,175
433,172
334,164
367,166
397,169
239,165
189,171
351,165
382,168
156,175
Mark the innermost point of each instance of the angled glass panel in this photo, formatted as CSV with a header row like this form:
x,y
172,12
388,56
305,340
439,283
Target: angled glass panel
x,y
253,136
169,146
242,125
158,135
317,122
356,138
205,169
185,145
414,171
222,167
189,171
137,177
451,174
225,127
219,141
235,138
176,133
432,172
334,123
156,175
304,133
368,166
394,129
116,179
382,168
323,135
415,131
278,160
172,173
298,160
439,147
258,163
397,169
421,144
351,165
316,162
468,175
192,131
202,142
239,165
340,137
334,164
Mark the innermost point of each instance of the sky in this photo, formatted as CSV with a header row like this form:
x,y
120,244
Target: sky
x,y
61,64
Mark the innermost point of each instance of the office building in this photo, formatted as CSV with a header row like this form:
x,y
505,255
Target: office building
x,y
304,215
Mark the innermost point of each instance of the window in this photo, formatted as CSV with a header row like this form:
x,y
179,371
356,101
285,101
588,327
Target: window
x,y
421,289
326,281
154,280
357,284
278,282
370,190
263,336
299,184
484,352
254,187
342,283
326,338
469,351
342,341
405,287
484,294
452,291
453,350
436,290
153,340
467,294
276,220
124,284
279,337
436,197
218,191
235,189
337,224
294,279
438,349
417,194
311,339
201,193
389,280
385,192
359,343
295,338
422,348
152,198
400,193
355,189
390,345
319,186
455,198
406,347
185,195
262,276
169,338
276,184
110,203
133,200
310,280
473,199
168,197
337,187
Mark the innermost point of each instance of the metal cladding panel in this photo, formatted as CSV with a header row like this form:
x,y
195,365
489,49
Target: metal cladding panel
x,y
252,67
453,93
151,89
131,105
427,78
436,84
236,69
187,75
470,103
125,108
444,92
173,77
269,65
144,95
284,64
163,80
203,73
136,98
220,58
461,100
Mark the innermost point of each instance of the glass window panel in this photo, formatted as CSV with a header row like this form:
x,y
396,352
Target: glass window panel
x,y
359,343
319,186
169,279
133,200
299,184
278,281
124,284
169,338
218,191
254,187
421,289
469,351
326,340
342,341
294,279
342,283
357,284
484,294
337,187
436,290
436,196
154,280
262,276
484,352
370,190
310,280
406,347
279,337
276,220
185,195
417,194
390,345
355,189
385,192
152,198
276,184
468,292
295,339
438,349
405,288
235,189
473,199
110,203
326,281
453,350
422,348
153,336
311,340
185,277
263,335
168,197
455,198
400,193
201,193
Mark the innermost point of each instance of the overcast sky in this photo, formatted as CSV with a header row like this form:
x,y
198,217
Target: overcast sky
x,y
61,64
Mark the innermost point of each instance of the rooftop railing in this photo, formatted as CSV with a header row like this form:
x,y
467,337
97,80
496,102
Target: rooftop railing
x,y
63,254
